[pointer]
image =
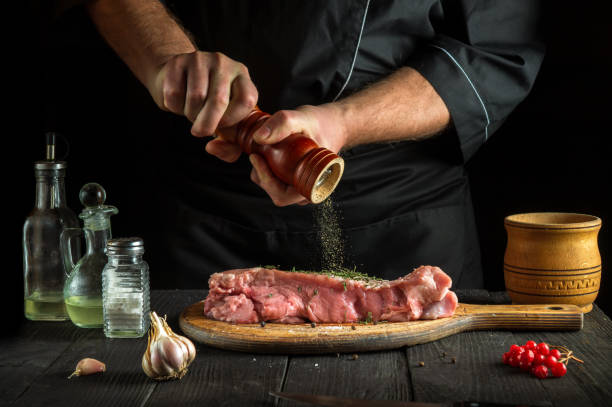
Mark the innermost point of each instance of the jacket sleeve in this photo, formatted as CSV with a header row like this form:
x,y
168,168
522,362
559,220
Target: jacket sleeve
x,y
483,62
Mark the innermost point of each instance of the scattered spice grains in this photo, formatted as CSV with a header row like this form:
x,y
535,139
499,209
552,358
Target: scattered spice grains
x,y
353,327
262,323
330,235
313,325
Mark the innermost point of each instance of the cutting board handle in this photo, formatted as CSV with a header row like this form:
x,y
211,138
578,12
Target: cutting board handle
x,y
523,317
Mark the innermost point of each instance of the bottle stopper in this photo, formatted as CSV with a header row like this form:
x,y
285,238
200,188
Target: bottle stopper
x,y
95,214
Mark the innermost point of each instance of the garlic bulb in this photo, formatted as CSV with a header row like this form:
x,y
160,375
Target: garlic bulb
x,y
168,354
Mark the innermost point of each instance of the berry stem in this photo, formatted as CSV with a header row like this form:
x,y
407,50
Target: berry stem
x,y
568,354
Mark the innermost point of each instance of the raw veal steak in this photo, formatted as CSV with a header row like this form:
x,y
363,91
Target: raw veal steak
x,y
261,294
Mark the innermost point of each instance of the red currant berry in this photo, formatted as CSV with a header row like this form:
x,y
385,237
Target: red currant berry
x,y
550,361
530,345
555,353
538,359
524,365
543,348
540,372
514,360
527,356
506,358
516,350
558,369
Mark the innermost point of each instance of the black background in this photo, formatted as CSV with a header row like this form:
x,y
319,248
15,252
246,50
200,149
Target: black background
x,y
552,154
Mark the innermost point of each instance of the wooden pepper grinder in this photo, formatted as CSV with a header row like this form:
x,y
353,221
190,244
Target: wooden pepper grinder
x,y
297,160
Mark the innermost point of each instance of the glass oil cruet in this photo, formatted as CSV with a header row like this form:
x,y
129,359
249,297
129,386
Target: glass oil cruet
x,y
83,288
43,264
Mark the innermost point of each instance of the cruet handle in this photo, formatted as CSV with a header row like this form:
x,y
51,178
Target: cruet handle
x,y
66,247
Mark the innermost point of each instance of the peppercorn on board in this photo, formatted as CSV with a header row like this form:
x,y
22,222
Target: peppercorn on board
x,y
356,337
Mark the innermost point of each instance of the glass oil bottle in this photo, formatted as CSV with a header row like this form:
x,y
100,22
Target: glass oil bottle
x,y
83,287
43,264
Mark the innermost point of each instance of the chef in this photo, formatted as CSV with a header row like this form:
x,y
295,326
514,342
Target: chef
x,y
406,91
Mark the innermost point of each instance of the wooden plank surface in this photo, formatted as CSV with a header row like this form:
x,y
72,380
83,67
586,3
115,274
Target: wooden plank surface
x,y
478,373
369,375
360,337
35,363
468,367
124,382
26,354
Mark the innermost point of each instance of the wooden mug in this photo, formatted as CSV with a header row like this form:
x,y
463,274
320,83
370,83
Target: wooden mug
x,y
552,258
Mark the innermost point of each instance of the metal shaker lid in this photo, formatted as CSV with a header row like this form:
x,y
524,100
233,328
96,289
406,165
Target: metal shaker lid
x,y
125,246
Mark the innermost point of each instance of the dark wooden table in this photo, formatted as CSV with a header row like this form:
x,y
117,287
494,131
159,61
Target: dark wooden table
x,y
35,364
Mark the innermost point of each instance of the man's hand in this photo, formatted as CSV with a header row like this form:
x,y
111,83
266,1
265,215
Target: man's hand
x,y
323,124
209,88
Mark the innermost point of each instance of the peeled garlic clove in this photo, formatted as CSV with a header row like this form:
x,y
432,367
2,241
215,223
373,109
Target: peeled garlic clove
x,y
88,366
168,354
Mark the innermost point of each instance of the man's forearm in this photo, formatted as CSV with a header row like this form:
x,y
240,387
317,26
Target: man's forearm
x,y
403,106
142,33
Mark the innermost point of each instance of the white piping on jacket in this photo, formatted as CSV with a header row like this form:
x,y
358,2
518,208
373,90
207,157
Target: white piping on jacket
x,y
348,78
472,85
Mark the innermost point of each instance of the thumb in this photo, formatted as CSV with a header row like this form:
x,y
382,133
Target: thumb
x,y
278,127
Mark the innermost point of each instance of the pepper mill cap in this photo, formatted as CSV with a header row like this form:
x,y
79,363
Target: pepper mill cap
x,y
125,246
318,174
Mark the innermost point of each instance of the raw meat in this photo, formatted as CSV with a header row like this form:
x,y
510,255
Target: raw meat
x,y
262,294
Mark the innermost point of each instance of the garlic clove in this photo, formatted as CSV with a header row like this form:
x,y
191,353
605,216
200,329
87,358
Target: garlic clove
x,y
190,348
88,366
168,354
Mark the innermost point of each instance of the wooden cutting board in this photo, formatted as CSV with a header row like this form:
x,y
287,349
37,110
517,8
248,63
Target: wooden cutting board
x,y
343,338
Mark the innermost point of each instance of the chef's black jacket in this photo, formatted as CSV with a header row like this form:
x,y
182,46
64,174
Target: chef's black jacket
x,y
402,204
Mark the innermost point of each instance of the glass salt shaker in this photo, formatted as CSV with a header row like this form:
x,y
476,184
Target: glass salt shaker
x,y
125,289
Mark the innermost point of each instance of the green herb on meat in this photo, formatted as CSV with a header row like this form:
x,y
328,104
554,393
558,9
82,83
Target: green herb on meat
x,y
346,273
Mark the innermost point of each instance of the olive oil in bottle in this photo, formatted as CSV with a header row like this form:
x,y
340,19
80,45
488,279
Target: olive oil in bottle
x,y
85,311
45,307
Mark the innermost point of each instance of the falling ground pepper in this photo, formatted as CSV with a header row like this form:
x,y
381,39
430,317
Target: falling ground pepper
x,y
330,236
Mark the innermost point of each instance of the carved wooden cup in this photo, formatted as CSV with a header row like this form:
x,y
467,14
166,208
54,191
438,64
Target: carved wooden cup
x,y
552,258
